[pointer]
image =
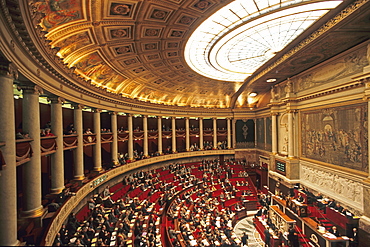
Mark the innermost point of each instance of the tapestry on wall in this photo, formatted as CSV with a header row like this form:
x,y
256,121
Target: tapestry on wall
x,y
268,134
261,133
337,136
245,133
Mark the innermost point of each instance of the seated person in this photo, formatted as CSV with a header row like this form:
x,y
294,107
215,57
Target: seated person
x,y
334,231
300,198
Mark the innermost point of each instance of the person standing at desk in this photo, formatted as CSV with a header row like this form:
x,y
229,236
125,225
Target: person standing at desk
x,y
293,237
353,240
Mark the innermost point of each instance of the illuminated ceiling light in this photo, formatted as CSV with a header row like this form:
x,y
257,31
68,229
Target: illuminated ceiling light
x,y
271,80
253,94
242,36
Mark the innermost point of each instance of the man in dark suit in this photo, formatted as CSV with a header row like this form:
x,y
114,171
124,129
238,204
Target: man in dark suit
x,y
353,240
334,231
267,234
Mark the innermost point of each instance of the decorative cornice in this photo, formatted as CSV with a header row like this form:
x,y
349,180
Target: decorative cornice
x,y
56,100
8,69
348,86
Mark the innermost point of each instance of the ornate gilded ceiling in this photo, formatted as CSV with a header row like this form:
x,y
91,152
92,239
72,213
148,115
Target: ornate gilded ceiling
x,y
136,49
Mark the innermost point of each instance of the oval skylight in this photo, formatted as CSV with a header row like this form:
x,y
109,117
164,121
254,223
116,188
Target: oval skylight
x,y
239,38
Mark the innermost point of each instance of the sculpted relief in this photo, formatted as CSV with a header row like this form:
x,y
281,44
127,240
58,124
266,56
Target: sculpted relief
x,y
350,64
335,184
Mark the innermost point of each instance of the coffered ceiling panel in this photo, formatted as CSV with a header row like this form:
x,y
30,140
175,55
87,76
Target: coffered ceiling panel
x,y
136,48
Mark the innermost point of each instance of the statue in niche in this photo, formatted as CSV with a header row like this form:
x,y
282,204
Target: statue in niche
x,y
273,93
289,87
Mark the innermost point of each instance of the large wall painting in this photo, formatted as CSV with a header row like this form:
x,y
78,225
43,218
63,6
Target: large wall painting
x,y
337,136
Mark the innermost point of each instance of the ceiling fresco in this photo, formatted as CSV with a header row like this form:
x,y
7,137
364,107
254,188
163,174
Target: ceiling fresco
x,y
136,49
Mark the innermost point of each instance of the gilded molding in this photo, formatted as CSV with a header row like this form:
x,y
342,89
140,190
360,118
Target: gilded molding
x,y
348,86
326,27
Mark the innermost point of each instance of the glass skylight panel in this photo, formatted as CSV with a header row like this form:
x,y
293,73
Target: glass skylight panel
x,y
216,52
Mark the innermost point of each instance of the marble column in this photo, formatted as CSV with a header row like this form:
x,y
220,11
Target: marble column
x,y
255,132
173,119
8,175
79,151
228,133
290,134
97,147
368,124
234,133
160,148
130,137
274,133
32,183
214,133
57,159
187,134
114,128
201,133
146,142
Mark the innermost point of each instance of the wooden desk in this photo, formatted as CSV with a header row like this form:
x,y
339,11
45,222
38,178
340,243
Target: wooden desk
x,y
319,238
282,221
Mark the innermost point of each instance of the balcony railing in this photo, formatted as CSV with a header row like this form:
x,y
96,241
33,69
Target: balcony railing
x,y
89,139
69,141
23,150
48,145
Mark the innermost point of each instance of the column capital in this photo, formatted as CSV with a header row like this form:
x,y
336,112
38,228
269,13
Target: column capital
x,y
145,116
214,118
291,111
96,110
200,118
186,118
30,88
8,69
77,106
113,113
129,114
56,100
274,113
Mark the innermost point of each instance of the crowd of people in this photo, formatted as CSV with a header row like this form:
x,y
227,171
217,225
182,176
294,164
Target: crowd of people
x,y
136,219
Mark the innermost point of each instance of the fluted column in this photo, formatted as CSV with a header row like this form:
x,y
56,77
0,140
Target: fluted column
x,y
290,134
214,133
32,170
114,128
173,119
145,126
187,134
8,176
79,151
57,159
228,133
201,141
274,133
130,137
97,147
160,148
